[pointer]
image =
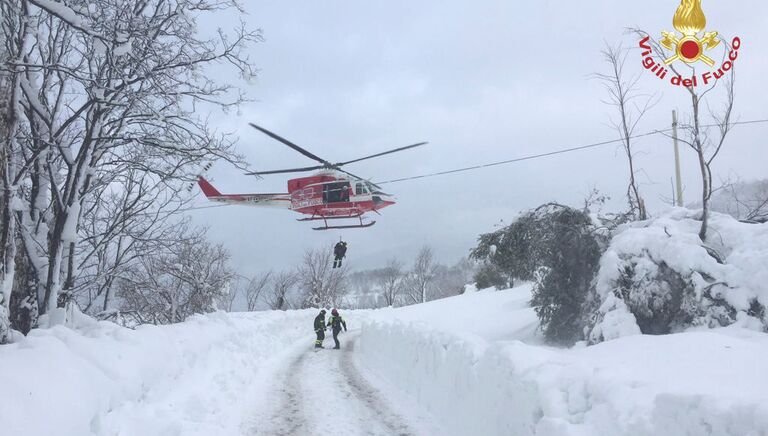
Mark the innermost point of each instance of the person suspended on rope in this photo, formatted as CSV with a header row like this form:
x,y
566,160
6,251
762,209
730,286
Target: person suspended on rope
x,y
339,252
335,323
320,329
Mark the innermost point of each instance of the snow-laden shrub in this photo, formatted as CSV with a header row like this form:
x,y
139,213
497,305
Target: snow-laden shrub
x,y
658,277
511,248
570,253
491,276
558,248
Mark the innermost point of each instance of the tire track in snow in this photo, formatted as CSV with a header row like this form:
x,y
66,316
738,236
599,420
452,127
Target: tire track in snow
x,y
370,396
321,391
288,418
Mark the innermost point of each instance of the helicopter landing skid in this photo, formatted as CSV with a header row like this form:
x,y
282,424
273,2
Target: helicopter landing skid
x,y
354,226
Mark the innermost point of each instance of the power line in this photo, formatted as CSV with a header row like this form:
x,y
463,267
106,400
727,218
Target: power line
x,y
552,153
519,159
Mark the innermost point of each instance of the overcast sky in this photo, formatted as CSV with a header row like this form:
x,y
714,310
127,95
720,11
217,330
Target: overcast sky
x,y
481,81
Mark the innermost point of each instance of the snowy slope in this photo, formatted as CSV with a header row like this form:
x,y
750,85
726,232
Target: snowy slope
x,y
473,362
486,315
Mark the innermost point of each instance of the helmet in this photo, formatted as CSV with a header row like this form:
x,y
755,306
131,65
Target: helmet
x,y
335,312
322,311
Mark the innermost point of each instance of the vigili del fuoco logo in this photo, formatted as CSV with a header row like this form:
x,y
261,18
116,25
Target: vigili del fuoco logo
x,y
691,44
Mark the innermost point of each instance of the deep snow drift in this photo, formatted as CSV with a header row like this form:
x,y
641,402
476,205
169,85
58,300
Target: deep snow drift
x,y
468,365
473,361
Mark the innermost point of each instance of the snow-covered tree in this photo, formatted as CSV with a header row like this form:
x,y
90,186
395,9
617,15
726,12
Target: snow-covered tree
x,y
98,90
119,224
282,285
630,105
185,276
418,282
569,255
559,249
255,287
747,201
16,37
227,300
321,285
450,280
511,249
390,282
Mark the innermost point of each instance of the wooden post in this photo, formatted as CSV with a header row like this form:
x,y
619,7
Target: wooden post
x,y
678,182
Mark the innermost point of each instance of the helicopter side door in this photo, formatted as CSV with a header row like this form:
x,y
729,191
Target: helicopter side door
x,y
337,192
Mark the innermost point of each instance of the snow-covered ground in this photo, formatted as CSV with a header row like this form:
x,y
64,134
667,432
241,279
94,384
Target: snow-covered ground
x,y
476,364
196,378
468,365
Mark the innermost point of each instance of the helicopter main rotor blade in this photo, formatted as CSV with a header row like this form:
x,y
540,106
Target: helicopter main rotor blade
x,y
286,171
382,153
292,145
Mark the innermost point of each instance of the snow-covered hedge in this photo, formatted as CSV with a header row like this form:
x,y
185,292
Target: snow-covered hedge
x,y
658,277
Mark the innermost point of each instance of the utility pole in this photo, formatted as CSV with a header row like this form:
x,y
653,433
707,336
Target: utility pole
x,y
678,182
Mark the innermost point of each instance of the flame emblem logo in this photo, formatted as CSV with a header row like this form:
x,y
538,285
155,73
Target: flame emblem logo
x,y
691,22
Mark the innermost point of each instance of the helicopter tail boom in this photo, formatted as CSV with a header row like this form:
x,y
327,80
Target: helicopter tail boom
x,y
282,201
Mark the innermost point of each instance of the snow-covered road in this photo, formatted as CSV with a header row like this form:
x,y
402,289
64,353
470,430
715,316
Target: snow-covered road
x,y
315,392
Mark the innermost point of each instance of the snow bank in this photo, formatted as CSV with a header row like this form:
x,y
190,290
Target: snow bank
x,y
198,377
660,271
490,314
468,388
480,379
440,354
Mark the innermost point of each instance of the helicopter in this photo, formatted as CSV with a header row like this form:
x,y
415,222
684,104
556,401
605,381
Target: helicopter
x,y
332,193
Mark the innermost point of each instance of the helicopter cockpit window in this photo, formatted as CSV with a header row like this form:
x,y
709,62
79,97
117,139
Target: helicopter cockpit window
x,y
361,189
372,189
336,192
